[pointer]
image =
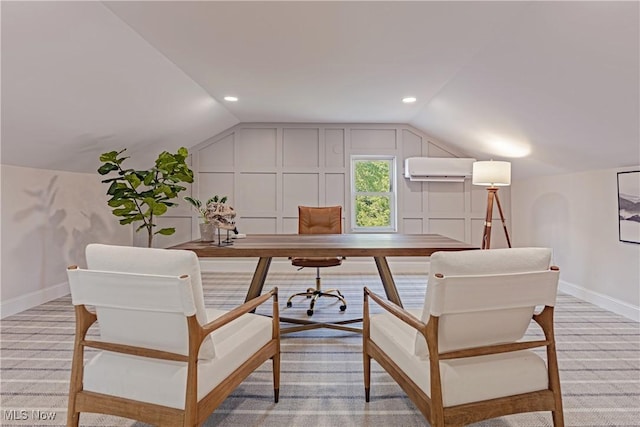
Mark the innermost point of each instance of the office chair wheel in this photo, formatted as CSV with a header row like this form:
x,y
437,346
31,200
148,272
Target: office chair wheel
x,y
343,307
309,312
289,304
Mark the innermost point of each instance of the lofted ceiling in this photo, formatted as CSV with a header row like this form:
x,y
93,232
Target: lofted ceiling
x,y
551,86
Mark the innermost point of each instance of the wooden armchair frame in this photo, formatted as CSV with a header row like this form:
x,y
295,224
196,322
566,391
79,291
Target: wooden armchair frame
x,y
432,407
195,412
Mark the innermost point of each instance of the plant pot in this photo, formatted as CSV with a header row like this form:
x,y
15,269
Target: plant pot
x,y
207,232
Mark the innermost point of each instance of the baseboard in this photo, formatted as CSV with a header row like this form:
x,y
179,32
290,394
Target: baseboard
x,y
282,265
33,299
601,300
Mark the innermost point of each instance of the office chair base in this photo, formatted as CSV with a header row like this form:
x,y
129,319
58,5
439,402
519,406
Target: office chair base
x,y
314,294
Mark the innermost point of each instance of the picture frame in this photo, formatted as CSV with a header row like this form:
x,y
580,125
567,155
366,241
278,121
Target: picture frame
x,y
629,206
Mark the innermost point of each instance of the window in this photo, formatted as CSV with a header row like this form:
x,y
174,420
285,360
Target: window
x,y
373,193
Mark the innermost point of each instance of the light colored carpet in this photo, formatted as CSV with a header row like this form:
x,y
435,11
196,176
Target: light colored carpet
x,y
321,377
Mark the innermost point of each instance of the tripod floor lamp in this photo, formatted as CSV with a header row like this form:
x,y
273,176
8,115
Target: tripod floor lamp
x,y
493,175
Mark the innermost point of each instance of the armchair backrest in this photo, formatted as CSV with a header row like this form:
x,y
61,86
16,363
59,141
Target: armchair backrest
x,y
322,220
486,297
143,266
141,310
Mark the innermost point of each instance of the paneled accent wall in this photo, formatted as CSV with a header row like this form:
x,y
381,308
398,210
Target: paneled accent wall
x,y
267,170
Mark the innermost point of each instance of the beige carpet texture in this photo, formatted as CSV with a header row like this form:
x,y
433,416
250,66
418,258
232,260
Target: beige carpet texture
x,y
321,378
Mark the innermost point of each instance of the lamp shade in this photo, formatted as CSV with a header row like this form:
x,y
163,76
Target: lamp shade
x,y
491,173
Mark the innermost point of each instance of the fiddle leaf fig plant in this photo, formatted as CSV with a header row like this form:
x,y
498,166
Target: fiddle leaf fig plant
x,y
144,195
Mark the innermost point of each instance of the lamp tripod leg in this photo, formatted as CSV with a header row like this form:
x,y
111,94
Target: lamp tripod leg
x,y
504,224
486,235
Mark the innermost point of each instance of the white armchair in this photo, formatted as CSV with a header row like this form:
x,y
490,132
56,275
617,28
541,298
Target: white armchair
x,y
163,358
462,357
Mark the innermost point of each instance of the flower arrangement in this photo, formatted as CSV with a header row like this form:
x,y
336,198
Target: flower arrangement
x,y
221,215
202,208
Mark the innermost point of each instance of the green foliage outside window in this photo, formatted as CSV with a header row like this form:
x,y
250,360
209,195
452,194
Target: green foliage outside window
x,y
373,176
373,211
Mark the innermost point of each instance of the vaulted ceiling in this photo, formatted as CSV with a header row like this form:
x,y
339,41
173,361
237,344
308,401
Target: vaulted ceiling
x,y
551,86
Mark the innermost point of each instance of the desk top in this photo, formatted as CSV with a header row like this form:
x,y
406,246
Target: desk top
x,y
328,245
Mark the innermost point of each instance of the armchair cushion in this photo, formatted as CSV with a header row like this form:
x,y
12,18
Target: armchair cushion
x,y
163,382
463,380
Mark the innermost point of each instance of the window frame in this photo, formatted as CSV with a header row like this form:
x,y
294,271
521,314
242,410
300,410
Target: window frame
x,y
392,194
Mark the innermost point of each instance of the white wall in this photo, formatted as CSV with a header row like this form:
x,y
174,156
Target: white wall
x,y
48,217
577,216
268,169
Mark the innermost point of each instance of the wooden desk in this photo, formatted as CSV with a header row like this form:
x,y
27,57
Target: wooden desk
x,y
379,246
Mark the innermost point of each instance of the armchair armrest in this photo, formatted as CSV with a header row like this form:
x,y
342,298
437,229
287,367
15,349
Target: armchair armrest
x,y
241,310
422,328
396,311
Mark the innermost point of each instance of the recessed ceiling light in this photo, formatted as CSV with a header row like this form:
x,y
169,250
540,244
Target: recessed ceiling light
x,y
409,99
231,98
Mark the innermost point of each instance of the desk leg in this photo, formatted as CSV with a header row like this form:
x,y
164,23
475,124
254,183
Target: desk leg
x,y
259,276
387,280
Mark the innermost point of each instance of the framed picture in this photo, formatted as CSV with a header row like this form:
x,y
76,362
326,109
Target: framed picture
x,y
629,206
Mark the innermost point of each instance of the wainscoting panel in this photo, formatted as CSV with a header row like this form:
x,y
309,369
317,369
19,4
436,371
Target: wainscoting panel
x,y
268,169
412,226
372,139
262,225
217,184
479,199
214,156
434,150
299,189
334,148
412,192
257,148
335,189
290,225
257,192
300,147
453,227
411,144
446,197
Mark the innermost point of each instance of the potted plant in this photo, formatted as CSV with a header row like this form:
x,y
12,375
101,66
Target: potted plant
x,y
207,229
144,195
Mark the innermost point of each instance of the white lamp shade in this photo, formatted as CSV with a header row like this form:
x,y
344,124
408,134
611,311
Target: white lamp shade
x,y
491,173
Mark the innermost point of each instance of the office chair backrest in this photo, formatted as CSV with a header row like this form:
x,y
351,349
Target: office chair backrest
x,y
323,220
141,262
486,297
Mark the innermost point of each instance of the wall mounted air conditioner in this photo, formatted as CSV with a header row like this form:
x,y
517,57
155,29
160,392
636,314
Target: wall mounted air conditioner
x,y
442,169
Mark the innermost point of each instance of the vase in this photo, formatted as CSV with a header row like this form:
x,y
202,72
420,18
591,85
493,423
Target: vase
x,y
207,232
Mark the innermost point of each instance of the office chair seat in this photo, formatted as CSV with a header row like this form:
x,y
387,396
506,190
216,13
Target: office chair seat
x,y
316,262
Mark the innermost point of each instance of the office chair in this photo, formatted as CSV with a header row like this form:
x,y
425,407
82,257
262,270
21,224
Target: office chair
x,y
163,358
322,220
462,357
